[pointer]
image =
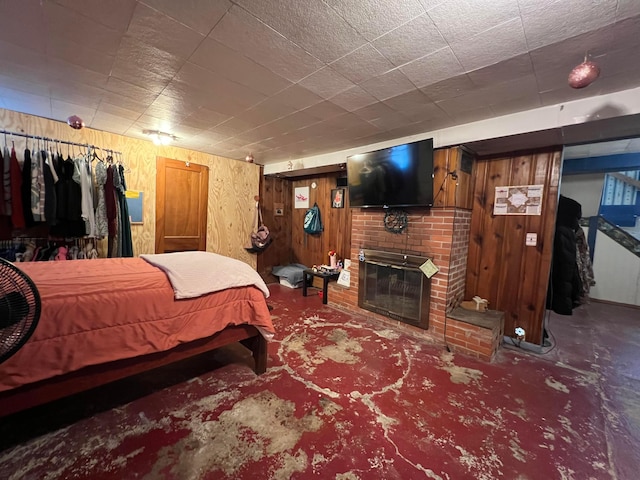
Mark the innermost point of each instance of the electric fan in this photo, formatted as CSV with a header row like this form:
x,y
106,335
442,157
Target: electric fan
x,y
19,309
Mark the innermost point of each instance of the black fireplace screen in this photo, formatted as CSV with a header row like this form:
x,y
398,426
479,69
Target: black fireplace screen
x,y
394,286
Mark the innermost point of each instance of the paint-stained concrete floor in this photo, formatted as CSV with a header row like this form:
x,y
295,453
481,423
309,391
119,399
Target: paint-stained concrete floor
x,y
348,398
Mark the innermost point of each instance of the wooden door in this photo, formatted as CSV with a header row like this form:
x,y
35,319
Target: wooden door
x,y
181,205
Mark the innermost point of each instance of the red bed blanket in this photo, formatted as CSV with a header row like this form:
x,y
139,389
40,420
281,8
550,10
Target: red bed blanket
x,y
97,311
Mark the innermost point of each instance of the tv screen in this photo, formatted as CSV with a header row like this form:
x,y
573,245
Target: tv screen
x,y
400,176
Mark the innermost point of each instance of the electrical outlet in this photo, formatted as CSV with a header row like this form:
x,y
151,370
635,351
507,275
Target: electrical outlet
x,y
520,333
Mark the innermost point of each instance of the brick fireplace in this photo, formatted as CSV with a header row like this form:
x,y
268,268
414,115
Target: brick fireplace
x,y
441,234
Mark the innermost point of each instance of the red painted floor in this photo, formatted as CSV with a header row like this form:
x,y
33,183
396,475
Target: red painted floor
x,y
347,398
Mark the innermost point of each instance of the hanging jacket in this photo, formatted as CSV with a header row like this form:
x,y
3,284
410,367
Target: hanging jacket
x,y
17,214
565,288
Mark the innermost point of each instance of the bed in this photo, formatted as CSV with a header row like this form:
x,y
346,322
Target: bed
x,y
105,319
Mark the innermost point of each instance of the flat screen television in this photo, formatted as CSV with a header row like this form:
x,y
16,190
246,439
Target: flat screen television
x,y
400,176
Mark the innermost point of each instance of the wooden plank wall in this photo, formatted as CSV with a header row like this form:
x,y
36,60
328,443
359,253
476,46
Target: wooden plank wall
x,y
313,249
500,268
275,190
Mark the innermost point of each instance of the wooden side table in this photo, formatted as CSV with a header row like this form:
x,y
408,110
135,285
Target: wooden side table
x,y
307,279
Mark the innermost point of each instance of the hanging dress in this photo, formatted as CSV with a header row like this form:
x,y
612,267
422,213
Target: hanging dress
x,y
102,225
17,215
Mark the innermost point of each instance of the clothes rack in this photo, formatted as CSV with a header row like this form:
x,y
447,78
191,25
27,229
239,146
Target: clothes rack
x,y
65,142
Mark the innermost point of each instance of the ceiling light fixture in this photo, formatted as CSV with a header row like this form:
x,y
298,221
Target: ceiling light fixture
x,y
160,138
584,74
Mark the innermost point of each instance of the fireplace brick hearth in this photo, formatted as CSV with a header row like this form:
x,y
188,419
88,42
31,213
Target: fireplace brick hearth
x,y
441,234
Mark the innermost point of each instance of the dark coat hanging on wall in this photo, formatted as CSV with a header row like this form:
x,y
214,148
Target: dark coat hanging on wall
x,y
564,287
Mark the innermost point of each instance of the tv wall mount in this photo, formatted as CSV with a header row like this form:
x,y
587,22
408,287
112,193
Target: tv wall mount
x,y
395,220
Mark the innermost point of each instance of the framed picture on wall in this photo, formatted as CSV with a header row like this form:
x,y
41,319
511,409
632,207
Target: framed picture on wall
x,y
337,198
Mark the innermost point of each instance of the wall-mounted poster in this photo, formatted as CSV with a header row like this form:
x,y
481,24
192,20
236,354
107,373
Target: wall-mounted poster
x,y
301,197
134,205
518,200
337,198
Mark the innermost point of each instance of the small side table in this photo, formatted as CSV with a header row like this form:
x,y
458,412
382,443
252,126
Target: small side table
x,y
307,279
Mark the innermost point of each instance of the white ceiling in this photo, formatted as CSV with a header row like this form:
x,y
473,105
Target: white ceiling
x,y
617,147
290,78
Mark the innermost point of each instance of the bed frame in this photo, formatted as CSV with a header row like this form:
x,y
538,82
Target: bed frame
x,y
27,396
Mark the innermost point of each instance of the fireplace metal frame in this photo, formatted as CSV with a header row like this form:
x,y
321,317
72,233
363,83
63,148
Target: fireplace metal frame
x,y
401,262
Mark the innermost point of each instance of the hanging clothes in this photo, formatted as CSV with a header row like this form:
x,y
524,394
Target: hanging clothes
x,y
17,214
6,180
50,200
37,187
82,176
102,226
26,189
124,246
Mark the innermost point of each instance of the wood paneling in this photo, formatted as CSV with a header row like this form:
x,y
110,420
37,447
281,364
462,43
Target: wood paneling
x,y
500,267
232,183
313,249
450,190
275,190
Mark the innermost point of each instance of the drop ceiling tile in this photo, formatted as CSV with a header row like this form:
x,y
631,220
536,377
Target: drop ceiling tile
x,y
244,33
391,121
469,116
184,132
65,23
149,122
627,8
491,46
374,111
175,114
110,123
22,85
265,112
324,110
413,40
145,66
199,15
424,113
458,20
297,96
176,39
113,14
129,94
433,68
450,88
388,85
204,118
564,94
506,107
232,127
429,4
293,122
353,99
350,120
516,67
26,103
62,110
314,26
571,52
362,64
15,16
545,24
12,53
222,60
117,111
210,83
372,19
63,72
408,100
326,83
80,55
79,93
